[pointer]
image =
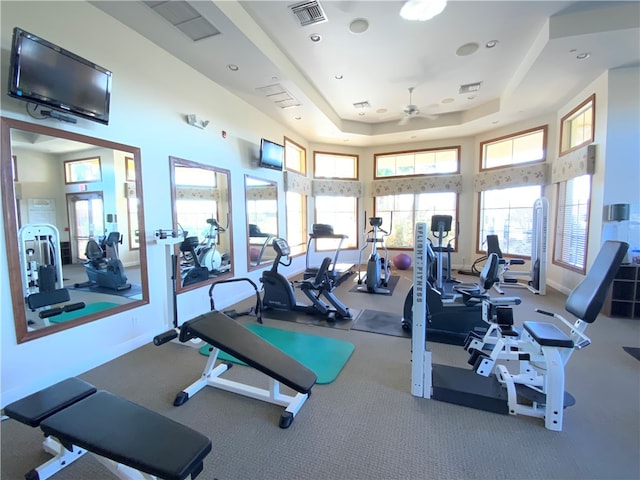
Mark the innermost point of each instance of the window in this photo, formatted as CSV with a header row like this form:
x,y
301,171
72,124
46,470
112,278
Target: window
x,y
577,127
194,212
518,148
419,162
572,223
412,208
296,222
335,165
295,157
341,213
508,213
130,169
82,170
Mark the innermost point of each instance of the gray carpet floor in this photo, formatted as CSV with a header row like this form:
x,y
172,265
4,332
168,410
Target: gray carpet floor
x,y
366,424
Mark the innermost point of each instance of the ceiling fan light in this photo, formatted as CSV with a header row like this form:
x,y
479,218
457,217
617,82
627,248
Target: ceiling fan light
x,y
422,10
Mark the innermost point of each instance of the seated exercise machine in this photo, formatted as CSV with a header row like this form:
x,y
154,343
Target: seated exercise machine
x,y
42,277
279,292
107,272
338,272
378,267
132,441
444,282
539,353
451,320
223,333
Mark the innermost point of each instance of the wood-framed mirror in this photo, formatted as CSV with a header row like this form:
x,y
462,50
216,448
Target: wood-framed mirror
x,y
74,227
201,202
262,220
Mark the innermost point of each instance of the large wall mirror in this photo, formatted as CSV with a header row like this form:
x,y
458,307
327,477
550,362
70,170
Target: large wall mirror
x,y
201,200
262,220
74,227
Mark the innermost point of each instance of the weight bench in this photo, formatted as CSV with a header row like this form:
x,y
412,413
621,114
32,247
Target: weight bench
x,y
225,334
130,440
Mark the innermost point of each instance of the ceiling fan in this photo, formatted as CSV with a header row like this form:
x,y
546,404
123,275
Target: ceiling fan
x,y
411,110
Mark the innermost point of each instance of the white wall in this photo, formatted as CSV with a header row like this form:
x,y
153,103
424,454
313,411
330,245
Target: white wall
x,y
152,91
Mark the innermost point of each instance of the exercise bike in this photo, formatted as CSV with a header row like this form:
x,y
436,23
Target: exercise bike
x,y
378,268
451,320
105,271
279,293
207,252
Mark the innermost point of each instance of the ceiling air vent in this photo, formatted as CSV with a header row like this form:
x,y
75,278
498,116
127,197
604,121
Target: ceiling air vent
x,y
308,13
185,18
361,105
470,87
279,95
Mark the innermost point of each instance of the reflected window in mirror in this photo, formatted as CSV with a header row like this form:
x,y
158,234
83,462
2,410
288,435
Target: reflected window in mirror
x,y
262,219
69,252
201,212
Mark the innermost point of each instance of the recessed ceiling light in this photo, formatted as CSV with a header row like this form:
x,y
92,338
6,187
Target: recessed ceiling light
x,y
298,118
582,56
359,25
422,10
361,114
448,100
467,49
338,76
233,68
381,110
491,43
315,37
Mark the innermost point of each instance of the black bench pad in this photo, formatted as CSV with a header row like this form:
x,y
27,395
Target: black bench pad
x,y
36,407
224,333
547,334
127,433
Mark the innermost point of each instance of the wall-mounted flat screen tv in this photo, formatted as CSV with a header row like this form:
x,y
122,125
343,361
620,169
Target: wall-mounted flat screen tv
x,y
271,154
48,75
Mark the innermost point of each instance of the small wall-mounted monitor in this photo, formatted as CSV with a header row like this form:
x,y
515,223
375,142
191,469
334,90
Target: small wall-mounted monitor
x,y
48,75
271,155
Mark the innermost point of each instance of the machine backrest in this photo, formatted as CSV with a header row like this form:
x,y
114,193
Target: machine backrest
x,y
93,251
322,277
493,245
586,300
490,272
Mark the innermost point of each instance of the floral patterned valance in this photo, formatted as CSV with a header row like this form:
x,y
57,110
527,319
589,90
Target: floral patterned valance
x,y
574,164
197,193
517,176
337,188
267,192
294,182
424,184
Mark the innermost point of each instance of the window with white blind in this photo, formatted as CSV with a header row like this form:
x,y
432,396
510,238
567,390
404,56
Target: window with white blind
x,y
296,222
508,213
572,223
517,148
408,209
295,157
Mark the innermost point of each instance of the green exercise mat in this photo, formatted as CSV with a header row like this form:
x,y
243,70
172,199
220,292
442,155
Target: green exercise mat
x,y
87,310
324,356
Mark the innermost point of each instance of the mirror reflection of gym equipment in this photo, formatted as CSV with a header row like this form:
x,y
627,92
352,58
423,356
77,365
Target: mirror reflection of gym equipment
x,y
262,220
38,193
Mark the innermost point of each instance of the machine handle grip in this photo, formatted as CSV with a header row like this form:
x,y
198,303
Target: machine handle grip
x,y
544,312
165,337
50,312
71,307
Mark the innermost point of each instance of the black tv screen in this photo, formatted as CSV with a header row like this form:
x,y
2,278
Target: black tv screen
x,y
46,74
271,154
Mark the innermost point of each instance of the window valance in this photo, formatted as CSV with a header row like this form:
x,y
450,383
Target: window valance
x,y
574,164
423,184
294,182
196,193
516,176
337,188
268,192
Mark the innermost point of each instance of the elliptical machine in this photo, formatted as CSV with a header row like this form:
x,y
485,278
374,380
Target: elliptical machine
x,y
107,272
207,252
378,268
441,227
279,293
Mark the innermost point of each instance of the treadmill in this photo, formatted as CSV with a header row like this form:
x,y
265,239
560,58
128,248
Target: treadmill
x,y
338,272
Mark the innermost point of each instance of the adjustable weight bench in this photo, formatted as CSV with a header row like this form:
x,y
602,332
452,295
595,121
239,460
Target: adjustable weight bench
x,y
130,440
225,334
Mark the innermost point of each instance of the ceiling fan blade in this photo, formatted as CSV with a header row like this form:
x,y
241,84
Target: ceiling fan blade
x,y
404,120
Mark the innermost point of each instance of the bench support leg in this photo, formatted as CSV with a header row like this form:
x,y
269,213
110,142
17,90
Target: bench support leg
x,y
61,458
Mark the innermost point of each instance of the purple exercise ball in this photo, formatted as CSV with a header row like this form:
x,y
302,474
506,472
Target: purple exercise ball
x,y
402,261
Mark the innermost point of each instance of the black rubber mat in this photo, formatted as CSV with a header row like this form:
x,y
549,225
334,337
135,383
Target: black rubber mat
x,y
384,323
393,281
